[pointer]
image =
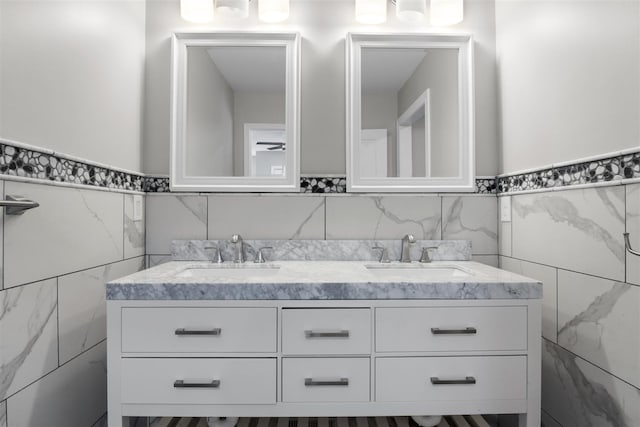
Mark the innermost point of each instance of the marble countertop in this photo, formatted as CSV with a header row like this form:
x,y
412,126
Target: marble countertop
x,y
323,280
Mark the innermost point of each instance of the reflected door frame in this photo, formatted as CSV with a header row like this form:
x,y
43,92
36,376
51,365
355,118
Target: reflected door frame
x,y
420,108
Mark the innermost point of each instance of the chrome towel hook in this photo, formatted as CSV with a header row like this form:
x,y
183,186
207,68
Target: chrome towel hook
x,y
16,205
627,244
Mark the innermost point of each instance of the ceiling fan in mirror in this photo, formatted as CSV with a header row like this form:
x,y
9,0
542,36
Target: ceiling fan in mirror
x,y
275,146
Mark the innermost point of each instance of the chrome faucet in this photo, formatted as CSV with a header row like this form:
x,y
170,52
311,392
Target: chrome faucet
x,y
238,254
407,240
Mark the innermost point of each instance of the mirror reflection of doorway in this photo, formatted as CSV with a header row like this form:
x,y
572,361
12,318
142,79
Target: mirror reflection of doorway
x,y
373,153
265,148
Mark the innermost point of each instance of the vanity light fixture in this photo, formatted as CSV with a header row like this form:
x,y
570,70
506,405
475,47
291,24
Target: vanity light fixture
x,y
273,11
371,11
446,12
234,9
198,11
411,10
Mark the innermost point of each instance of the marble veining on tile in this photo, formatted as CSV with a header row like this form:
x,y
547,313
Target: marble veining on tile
x,y
548,227
3,414
473,218
599,320
29,334
633,228
384,217
321,250
577,393
82,309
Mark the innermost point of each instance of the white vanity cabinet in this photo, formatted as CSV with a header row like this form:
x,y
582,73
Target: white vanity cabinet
x,y
323,358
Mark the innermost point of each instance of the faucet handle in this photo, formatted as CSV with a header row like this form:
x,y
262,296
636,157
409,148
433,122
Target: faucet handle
x,y
384,256
425,254
259,256
219,259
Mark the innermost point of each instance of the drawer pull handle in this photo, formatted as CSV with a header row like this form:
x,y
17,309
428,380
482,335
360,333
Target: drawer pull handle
x,y
465,331
466,380
196,384
327,334
310,382
188,332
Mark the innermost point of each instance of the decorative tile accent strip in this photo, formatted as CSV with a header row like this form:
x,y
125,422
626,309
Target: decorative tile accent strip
x,y
23,162
604,170
156,184
486,186
323,185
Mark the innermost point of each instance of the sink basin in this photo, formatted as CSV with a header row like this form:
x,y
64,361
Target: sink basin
x,y
232,271
418,271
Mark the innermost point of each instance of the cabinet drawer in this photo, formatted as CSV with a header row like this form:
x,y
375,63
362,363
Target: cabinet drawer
x,y
451,329
325,379
194,330
415,379
326,331
204,381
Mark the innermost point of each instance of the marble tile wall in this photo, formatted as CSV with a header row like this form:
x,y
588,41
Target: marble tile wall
x,y
56,261
331,217
572,241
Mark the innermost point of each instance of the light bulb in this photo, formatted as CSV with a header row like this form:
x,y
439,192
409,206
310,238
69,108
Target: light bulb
x,y
411,10
235,9
371,11
273,11
199,11
446,12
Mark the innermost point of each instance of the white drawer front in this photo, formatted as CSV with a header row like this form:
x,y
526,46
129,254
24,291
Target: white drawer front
x,y
153,381
326,331
325,379
451,329
415,379
194,329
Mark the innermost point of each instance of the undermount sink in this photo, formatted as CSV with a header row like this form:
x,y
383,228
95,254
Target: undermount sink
x,y
232,271
418,271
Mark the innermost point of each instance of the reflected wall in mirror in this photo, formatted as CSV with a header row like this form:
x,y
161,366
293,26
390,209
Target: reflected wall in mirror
x,y
235,112
410,113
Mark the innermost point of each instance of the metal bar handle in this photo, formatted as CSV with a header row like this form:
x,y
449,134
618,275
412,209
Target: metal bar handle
x,y
198,332
310,382
16,205
327,334
465,331
466,380
196,384
627,245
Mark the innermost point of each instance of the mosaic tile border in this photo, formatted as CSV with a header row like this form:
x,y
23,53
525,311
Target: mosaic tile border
x,y
615,168
27,163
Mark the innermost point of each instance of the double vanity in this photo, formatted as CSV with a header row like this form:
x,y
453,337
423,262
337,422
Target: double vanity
x,y
324,330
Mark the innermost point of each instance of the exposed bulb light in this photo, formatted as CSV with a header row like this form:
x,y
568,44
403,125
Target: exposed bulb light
x,y
446,12
411,10
235,9
198,11
371,11
273,11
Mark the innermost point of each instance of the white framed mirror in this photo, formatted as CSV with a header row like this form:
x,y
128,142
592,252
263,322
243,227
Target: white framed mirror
x,y
410,113
235,101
